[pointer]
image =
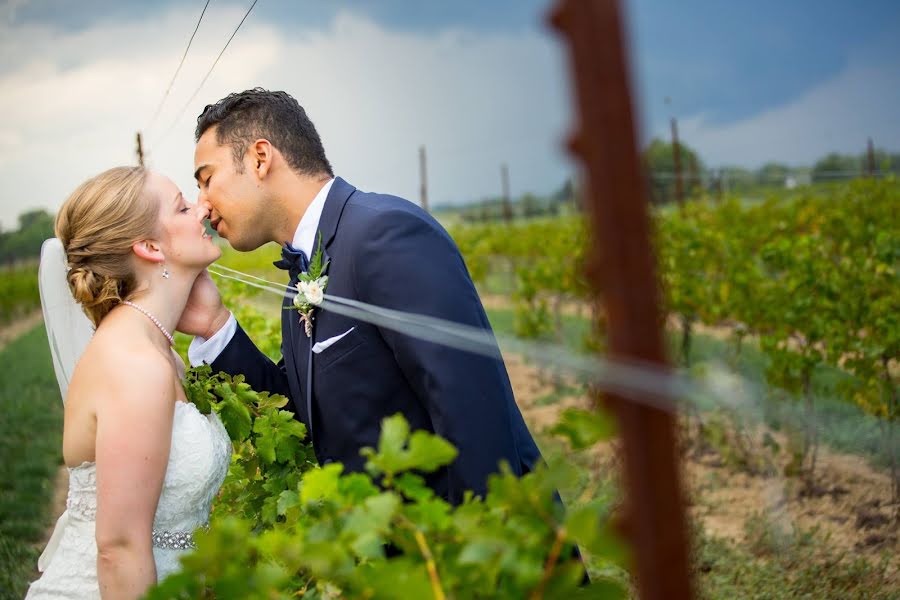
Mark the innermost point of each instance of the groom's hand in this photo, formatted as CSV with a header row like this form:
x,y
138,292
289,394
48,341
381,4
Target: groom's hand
x,y
204,314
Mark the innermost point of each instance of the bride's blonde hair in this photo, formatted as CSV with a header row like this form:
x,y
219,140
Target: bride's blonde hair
x,y
97,225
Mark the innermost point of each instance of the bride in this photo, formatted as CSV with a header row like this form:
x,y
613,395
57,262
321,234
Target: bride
x,y
144,465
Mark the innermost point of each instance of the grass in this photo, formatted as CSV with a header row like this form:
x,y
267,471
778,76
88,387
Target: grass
x,y
774,565
31,451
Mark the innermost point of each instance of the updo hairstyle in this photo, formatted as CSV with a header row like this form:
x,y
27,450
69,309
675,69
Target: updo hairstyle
x,y
97,225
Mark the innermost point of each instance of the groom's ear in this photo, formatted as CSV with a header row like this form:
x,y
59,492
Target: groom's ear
x,y
149,250
261,154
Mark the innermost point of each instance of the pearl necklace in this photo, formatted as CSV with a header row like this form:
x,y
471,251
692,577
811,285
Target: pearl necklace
x,y
152,318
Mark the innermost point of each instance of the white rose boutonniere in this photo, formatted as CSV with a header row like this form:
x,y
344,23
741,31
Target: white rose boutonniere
x,y
311,290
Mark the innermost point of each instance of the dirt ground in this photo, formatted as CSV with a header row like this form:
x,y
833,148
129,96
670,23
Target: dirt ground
x,y
21,325
851,505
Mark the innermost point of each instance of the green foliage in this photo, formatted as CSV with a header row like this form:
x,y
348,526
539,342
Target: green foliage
x,y
811,274
660,162
270,455
583,428
316,266
283,526
546,258
257,262
840,167
35,226
18,292
30,443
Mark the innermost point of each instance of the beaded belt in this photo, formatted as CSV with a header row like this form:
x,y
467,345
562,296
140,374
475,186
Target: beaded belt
x,y
174,540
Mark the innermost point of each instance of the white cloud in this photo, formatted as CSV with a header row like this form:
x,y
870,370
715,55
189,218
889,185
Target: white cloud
x,y
72,102
835,116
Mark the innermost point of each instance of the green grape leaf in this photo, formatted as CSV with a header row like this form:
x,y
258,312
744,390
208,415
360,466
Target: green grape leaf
x,y
413,487
286,500
583,428
265,402
356,487
235,417
318,484
428,452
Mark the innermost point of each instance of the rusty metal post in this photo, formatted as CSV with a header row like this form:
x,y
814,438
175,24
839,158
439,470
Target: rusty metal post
x,y
616,200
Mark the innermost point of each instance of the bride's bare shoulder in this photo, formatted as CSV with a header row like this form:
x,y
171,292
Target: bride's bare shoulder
x,y
120,363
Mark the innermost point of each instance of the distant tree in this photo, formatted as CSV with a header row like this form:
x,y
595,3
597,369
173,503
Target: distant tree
x,y
737,180
35,226
773,174
660,165
34,218
530,205
834,167
566,196
886,162
565,193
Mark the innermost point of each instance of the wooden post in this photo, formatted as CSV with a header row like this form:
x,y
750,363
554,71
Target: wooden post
x,y
507,203
717,185
423,179
140,149
676,163
870,158
625,274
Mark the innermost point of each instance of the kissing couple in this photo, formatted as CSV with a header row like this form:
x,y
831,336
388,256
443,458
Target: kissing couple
x,y
144,464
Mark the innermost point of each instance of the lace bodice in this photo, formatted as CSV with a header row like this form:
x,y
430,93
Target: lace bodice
x,y
198,462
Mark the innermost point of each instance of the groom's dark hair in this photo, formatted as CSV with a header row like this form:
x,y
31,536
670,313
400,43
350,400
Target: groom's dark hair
x,y
247,116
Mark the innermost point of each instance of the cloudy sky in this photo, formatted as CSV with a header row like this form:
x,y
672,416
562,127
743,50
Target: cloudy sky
x,y
479,83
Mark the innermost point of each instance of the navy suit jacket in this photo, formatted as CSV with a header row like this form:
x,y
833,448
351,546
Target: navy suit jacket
x,y
386,251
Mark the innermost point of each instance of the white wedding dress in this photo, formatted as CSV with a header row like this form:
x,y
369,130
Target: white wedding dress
x,y
198,461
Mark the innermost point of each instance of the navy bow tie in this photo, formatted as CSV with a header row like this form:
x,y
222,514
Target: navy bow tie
x,y
293,261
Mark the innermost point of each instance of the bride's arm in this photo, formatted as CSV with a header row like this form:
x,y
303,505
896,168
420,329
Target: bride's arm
x,y
134,431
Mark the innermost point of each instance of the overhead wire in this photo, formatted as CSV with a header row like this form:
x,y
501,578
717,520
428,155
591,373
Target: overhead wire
x,y
178,69
205,77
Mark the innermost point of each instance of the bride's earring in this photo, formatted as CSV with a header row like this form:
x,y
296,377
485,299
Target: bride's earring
x,y
165,272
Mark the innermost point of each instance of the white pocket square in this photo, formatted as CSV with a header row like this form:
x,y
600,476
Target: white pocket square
x,y
318,347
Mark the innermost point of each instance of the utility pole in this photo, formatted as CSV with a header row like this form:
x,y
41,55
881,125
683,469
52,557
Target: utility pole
x,y
423,179
140,149
870,157
504,181
676,160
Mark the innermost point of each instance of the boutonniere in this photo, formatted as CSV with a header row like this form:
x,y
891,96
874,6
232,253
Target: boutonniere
x,y
311,289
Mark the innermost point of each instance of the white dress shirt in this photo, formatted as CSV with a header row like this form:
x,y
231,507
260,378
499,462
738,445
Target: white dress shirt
x,y
204,350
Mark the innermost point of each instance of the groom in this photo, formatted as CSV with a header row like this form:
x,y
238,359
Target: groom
x,y
263,175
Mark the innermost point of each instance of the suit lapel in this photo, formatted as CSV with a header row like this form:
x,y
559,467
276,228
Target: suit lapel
x,y
292,336
301,345
337,198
